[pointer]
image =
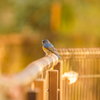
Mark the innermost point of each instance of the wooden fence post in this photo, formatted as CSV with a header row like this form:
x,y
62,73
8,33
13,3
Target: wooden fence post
x,y
63,89
45,76
33,95
53,84
59,67
39,84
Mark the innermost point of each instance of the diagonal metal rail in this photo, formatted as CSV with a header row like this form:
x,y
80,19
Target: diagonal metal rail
x,y
31,72
36,68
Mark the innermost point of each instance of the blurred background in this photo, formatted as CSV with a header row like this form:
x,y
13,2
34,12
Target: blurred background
x,y
24,23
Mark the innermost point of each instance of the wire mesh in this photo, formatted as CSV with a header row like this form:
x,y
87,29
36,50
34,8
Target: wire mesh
x,y
86,62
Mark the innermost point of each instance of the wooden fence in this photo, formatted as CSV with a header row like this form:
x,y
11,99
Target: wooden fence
x,y
21,86
44,79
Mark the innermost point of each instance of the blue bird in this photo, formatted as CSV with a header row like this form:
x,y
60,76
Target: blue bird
x,y
48,48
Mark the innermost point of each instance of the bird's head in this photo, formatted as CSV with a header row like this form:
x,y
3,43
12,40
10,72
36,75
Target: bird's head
x,y
45,41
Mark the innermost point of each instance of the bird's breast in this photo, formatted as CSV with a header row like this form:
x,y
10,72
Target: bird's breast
x,y
44,48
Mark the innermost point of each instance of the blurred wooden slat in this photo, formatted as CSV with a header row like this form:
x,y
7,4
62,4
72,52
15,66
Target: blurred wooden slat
x,y
53,84
63,89
32,95
59,67
45,76
39,83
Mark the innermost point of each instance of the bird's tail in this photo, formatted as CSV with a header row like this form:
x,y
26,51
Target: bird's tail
x,y
58,56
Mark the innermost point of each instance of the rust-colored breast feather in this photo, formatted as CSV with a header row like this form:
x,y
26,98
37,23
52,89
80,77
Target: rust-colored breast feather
x,y
44,48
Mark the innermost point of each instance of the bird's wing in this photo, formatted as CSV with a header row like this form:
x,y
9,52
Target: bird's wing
x,y
50,47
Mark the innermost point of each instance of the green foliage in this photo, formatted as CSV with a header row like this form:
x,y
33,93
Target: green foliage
x,y
81,17
14,15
